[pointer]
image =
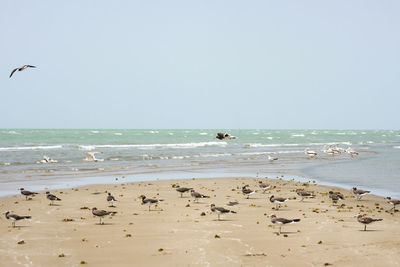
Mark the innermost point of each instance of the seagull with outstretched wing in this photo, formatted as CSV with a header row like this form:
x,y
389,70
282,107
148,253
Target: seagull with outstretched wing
x,y
21,69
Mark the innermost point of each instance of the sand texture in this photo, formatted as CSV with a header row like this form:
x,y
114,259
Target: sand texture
x,y
180,232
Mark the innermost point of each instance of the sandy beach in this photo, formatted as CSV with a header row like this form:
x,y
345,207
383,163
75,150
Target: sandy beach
x,y
180,232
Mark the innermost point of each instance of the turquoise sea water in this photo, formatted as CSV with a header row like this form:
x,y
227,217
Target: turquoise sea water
x,y
185,152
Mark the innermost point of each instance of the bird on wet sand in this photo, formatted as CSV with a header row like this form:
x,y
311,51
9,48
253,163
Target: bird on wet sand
x,y
247,191
271,159
392,201
304,194
21,69
278,201
27,193
150,201
366,220
263,186
359,193
282,221
102,213
111,199
15,217
52,198
220,210
183,190
197,195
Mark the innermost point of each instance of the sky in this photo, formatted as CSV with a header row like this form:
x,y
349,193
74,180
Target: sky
x,y
200,64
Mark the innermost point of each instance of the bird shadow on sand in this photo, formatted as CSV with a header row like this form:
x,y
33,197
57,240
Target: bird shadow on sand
x,y
286,233
373,230
112,206
54,205
19,226
223,220
104,223
199,202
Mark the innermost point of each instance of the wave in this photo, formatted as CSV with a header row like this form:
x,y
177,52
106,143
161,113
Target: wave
x,y
153,146
269,145
297,135
396,147
29,148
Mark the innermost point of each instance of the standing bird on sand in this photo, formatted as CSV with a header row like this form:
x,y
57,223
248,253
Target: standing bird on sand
x,y
150,201
282,221
247,191
21,69
220,210
366,220
197,195
52,198
359,193
278,201
392,201
335,196
183,190
263,186
111,199
304,194
27,193
102,213
15,217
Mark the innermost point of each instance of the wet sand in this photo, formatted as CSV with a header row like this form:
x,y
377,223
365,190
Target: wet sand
x,y
180,232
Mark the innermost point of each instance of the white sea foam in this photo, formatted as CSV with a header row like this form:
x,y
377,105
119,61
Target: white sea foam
x,y
203,133
270,138
94,131
297,135
13,132
29,148
117,133
153,132
268,145
153,146
397,147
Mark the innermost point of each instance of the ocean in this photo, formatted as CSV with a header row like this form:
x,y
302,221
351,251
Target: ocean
x,y
136,155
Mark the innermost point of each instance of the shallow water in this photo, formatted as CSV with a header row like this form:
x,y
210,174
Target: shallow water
x,y
150,154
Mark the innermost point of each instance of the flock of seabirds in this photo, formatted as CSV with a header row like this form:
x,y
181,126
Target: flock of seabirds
x,y
334,196
247,192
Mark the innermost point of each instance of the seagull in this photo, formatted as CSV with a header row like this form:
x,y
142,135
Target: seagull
x,y
263,186
247,191
21,69
14,218
351,152
220,210
149,201
394,202
110,198
27,193
183,190
310,153
366,220
52,198
197,195
282,221
335,196
359,193
90,156
272,159
304,194
278,200
102,213
47,159
223,136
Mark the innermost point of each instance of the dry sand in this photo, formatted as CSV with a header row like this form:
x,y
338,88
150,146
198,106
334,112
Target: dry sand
x,y
178,235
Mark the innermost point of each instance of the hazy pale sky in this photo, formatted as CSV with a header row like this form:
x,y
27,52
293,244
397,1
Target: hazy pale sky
x,y
200,64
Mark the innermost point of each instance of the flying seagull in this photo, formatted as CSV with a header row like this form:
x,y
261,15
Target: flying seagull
x,y
223,136
21,69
